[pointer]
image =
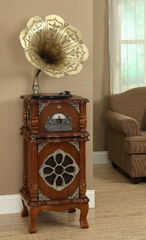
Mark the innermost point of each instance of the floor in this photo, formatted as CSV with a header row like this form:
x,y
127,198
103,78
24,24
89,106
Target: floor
x,y
120,213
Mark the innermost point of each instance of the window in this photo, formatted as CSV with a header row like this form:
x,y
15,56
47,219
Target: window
x,y
127,44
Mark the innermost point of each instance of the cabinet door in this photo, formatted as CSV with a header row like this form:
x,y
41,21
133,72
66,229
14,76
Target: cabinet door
x,y
58,170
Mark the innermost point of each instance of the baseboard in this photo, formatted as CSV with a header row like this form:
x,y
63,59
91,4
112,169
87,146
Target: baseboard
x,y
91,195
100,157
12,203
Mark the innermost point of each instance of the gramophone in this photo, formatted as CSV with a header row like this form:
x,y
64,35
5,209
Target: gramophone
x,y
54,47
54,125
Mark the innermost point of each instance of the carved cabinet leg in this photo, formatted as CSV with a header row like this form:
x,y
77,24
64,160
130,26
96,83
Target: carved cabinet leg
x,y
24,212
83,216
33,220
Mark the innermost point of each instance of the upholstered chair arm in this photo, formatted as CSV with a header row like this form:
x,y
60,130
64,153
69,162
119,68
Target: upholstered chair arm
x,y
122,123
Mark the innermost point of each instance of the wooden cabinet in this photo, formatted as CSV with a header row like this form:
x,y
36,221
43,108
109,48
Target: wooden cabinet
x,y
54,136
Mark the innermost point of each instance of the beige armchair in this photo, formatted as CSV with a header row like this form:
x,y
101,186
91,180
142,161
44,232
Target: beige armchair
x,y
126,122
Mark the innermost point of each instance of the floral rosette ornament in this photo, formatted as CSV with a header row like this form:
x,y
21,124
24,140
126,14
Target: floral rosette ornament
x,y
52,46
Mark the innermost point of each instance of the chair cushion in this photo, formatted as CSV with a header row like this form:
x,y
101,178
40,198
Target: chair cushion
x,y
136,144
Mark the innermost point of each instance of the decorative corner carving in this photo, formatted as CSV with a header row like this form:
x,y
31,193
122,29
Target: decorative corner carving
x,y
33,192
83,122
41,146
34,123
83,190
75,195
33,188
24,116
76,106
42,197
42,106
76,145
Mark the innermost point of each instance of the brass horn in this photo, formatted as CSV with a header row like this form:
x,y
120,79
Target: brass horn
x,y
52,46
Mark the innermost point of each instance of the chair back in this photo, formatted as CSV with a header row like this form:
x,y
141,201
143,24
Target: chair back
x,y
131,103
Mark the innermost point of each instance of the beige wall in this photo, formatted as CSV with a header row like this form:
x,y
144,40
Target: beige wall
x,y
16,78
100,73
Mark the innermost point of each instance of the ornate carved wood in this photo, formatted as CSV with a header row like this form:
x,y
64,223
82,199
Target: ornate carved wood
x,y
54,157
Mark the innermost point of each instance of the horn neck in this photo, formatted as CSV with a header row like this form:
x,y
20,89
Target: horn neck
x,y
35,86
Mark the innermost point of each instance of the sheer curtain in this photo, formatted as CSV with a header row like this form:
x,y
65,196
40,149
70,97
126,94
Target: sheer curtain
x,y
127,44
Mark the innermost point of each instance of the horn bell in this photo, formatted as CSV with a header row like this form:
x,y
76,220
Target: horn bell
x,y
53,46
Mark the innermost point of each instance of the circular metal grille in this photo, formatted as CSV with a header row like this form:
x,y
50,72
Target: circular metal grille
x,y
59,170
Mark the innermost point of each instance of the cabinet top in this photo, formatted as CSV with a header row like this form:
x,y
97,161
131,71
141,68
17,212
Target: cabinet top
x,y
44,97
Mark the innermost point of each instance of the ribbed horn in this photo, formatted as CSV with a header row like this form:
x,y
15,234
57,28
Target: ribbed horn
x,y
53,46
